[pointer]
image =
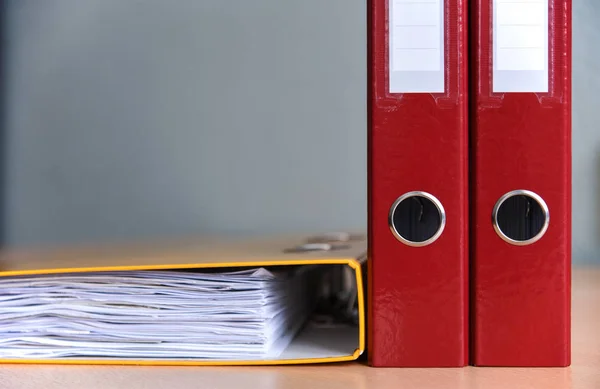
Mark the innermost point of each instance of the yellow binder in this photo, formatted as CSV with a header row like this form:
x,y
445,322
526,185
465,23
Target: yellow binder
x,y
313,344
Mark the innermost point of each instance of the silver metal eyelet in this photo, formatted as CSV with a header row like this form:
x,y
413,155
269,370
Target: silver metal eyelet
x,y
417,195
534,196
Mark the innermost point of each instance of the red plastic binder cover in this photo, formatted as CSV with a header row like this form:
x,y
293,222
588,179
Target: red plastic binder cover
x,y
418,300
521,141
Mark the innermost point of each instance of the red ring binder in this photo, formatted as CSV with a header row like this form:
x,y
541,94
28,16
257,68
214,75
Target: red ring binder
x,y
521,137
418,140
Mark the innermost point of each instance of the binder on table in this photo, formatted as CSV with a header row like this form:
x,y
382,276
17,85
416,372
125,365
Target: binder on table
x,y
521,225
418,183
190,302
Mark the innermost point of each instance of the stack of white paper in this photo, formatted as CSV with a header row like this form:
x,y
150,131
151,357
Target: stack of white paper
x,y
249,314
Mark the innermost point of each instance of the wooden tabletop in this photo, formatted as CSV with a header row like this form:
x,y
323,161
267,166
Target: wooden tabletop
x,y
584,372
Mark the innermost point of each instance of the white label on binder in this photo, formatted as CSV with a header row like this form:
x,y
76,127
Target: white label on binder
x,y
520,46
416,46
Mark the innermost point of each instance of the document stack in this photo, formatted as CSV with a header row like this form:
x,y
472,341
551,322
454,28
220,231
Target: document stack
x,y
206,302
156,314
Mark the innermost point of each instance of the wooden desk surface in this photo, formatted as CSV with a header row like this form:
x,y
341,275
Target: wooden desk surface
x,y
584,372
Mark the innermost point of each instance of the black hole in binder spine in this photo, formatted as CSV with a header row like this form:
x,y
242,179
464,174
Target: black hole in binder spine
x,y
417,219
521,218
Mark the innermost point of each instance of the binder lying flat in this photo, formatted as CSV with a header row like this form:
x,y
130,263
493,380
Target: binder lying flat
x,y
521,182
418,183
216,301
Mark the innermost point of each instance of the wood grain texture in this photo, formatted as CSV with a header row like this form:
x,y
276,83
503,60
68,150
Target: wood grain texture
x,y
584,372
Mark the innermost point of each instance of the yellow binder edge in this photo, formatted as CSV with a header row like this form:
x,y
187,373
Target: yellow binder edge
x,y
353,263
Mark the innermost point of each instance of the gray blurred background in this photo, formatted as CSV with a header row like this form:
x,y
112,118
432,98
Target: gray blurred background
x,y
131,119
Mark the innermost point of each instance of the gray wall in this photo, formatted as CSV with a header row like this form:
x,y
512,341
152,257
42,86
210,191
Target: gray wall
x,y
131,119
586,131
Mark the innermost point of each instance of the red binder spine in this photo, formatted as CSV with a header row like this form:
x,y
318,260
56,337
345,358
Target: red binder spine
x,y
521,224
418,186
